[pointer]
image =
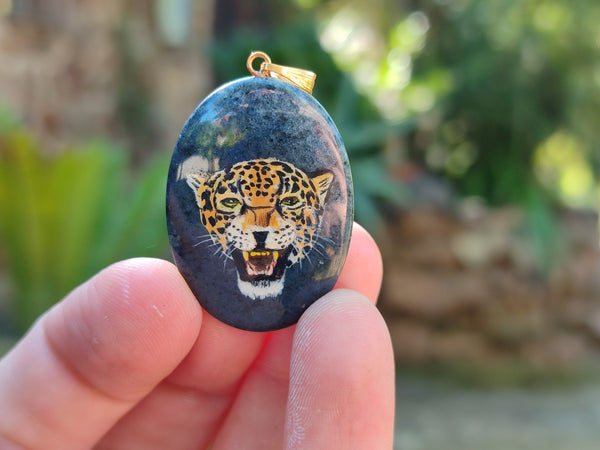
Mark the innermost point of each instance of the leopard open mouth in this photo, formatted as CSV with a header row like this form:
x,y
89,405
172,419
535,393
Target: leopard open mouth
x,y
261,264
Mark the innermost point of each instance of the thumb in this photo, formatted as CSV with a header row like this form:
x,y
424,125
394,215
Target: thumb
x,y
341,392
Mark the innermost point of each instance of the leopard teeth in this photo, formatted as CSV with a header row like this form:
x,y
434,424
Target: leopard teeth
x,y
247,254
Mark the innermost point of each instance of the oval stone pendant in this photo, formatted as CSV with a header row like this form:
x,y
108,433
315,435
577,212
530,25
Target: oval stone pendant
x,y
259,200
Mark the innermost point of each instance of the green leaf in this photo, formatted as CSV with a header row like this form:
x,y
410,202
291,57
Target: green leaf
x,y
371,178
67,216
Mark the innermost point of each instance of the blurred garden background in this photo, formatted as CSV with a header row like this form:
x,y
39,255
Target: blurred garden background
x,y
472,130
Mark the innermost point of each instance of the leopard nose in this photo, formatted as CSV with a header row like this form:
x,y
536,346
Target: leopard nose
x,y
261,237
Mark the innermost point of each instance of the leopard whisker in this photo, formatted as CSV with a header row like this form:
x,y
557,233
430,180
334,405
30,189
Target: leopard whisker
x,y
308,257
298,251
317,244
324,243
209,246
318,251
204,242
205,237
201,243
229,252
225,256
323,238
219,249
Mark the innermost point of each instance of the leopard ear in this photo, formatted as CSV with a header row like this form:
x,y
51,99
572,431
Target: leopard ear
x,y
322,182
196,181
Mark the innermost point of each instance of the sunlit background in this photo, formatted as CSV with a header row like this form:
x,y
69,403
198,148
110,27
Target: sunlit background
x,y
472,129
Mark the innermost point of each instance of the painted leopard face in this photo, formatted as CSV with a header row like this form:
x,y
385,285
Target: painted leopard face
x,y
263,214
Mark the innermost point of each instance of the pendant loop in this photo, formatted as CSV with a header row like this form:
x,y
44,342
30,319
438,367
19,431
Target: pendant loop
x,y
250,60
304,79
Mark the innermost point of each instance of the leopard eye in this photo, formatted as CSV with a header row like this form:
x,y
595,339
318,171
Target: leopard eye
x,y
289,201
230,203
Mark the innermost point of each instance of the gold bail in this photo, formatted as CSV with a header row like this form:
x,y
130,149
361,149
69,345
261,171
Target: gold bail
x,y
304,79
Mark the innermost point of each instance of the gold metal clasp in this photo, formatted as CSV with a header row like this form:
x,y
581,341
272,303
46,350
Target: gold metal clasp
x,y
304,79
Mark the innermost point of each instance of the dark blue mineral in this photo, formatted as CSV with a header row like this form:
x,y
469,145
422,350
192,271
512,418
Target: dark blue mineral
x,y
259,203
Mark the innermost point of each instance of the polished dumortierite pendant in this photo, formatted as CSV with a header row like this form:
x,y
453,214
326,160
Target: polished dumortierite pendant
x,y
259,200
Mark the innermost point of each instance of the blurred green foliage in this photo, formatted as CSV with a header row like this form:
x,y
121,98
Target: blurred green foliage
x,y
516,121
66,216
519,73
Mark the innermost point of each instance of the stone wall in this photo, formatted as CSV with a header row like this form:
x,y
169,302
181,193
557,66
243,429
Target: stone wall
x,y
66,65
464,287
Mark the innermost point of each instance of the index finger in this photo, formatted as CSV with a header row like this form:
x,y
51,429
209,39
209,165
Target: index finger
x,y
95,354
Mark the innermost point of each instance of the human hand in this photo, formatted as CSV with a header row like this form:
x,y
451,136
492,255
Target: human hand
x,y
129,360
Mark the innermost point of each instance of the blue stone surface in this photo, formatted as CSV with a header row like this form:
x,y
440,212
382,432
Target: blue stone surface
x,y
259,203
